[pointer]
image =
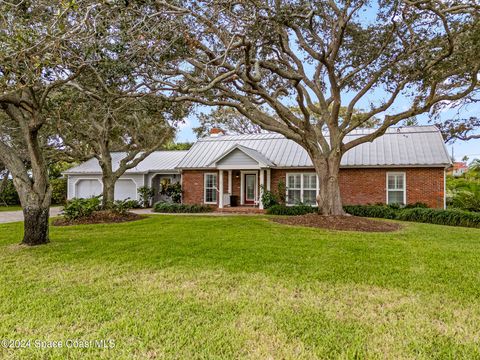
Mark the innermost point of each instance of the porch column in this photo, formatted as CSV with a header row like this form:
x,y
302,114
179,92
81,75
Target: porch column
x,y
262,184
269,179
241,188
230,182
220,189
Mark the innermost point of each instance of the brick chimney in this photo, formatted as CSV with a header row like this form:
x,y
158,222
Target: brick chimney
x,y
216,131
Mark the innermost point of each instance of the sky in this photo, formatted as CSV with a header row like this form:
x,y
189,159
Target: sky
x,y
471,148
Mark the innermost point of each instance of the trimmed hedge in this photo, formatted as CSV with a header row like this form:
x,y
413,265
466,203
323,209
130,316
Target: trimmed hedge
x,y
373,211
441,217
164,207
452,217
291,210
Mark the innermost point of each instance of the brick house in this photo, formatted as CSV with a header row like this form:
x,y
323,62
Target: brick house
x,y
406,165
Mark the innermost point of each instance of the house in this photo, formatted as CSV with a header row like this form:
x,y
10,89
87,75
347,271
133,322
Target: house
x,y
85,180
405,165
458,169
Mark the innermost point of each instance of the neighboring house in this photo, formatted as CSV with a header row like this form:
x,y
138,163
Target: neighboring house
x,y
85,180
406,165
458,169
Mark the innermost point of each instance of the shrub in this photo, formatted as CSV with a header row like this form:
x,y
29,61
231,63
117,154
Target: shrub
x,y
164,207
416,205
59,190
122,207
269,199
466,200
374,211
146,195
174,191
418,214
9,194
81,208
291,210
441,217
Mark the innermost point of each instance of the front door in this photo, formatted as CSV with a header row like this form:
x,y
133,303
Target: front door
x,y
250,187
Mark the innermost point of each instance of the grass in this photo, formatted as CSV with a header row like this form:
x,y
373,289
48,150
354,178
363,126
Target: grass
x,y
10,208
205,287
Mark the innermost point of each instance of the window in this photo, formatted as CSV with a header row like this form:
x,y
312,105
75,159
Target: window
x,y
302,188
396,188
210,188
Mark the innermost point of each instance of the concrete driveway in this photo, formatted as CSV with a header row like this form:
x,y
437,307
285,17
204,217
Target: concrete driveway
x,y
14,216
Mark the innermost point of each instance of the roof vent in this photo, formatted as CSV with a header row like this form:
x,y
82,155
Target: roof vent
x,y
215,132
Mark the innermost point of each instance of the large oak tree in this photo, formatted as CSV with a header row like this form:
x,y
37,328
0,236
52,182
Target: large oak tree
x,y
264,56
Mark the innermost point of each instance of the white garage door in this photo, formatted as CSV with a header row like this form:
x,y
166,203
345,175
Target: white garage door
x,y
124,189
88,188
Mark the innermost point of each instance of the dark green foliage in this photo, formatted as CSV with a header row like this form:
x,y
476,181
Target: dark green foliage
x,y
423,214
9,195
164,207
81,208
146,195
122,207
269,199
466,200
464,192
59,190
441,217
291,210
416,205
174,191
374,211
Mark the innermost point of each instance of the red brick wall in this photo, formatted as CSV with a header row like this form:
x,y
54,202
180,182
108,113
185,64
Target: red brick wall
x,y
357,186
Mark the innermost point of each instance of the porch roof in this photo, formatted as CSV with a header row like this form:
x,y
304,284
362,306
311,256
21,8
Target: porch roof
x,y
262,160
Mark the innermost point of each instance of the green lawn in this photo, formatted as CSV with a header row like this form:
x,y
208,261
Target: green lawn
x,y
10,208
242,287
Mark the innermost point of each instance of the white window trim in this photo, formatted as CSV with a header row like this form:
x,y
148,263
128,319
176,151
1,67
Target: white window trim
x,y
205,188
404,185
317,188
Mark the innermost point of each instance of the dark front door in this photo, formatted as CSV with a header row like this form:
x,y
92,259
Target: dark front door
x,y
250,185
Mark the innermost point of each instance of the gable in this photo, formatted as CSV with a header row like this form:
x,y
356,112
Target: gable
x,y
237,158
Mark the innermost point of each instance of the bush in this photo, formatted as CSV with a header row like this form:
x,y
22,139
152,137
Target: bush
x,y
291,210
121,207
9,194
419,214
59,190
146,195
269,199
466,200
441,217
373,211
174,191
81,208
164,207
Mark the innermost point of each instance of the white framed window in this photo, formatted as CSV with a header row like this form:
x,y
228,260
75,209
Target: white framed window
x,y
210,188
302,188
396,188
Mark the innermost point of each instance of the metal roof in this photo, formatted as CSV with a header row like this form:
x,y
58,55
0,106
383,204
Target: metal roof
x,y
156,161
254,154
402,146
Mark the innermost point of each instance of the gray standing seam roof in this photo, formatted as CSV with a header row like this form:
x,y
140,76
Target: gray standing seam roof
x,y
402,146
156,161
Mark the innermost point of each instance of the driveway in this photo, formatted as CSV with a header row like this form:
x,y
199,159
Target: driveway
x,y
14,216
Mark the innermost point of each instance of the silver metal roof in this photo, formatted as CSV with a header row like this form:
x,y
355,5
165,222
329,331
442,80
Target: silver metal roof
x,y
403,146
254,154
156,161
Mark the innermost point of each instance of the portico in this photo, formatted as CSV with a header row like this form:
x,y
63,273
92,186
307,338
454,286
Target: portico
x,y
247,173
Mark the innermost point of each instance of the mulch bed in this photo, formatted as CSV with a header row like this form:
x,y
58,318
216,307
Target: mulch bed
x,y
346,223
99,217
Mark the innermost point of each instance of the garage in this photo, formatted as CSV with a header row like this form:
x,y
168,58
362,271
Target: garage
x,y
125,189
87,188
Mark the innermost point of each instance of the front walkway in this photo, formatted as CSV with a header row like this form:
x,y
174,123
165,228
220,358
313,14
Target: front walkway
x,y
14,216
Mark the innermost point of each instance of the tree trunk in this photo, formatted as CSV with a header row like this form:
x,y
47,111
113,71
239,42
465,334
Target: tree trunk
x,y
108,193
35,225
329,199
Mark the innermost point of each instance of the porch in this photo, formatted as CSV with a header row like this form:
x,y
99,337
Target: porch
x,y
242,189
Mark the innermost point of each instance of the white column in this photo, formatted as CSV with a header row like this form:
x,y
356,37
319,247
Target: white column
x,y
220,190
241,188
230,182
262,184
269,179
